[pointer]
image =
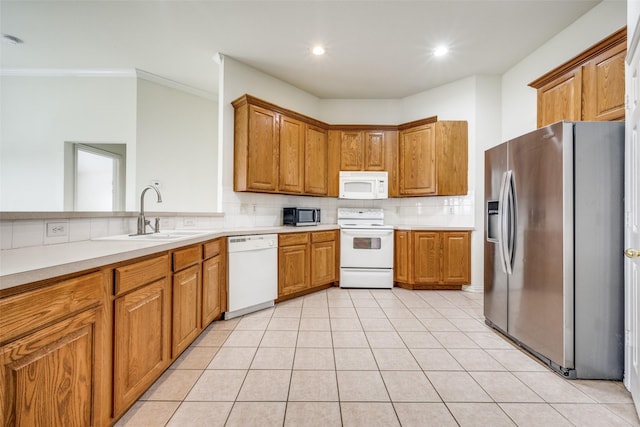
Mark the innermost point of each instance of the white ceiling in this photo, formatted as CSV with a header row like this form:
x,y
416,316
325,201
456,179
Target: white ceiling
x,y
375,49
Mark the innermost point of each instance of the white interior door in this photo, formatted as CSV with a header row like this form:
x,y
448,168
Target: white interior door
x,y
632,219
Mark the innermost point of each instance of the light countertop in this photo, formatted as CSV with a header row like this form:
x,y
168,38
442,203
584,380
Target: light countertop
x,y
32,264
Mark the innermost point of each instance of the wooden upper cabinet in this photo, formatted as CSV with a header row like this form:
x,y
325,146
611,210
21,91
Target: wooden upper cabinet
x,y
278,150
561,99
417,161
316,161
374,151
433,159
590,86
362,151
603,85
292,154
351,151
255,149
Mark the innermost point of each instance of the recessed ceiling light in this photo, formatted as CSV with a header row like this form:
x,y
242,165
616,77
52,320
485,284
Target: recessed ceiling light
x,y
318,50
440,51
8,38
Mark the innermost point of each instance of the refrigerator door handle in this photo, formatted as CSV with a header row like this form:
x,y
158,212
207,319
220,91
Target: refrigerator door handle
x,y
510,244
502,221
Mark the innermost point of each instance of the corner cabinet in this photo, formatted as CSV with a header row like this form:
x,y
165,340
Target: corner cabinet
x,y
433,159
589,87
432,259
307,262
54,355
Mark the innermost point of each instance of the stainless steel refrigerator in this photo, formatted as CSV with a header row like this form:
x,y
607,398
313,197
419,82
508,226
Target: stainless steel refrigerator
x,y
553,270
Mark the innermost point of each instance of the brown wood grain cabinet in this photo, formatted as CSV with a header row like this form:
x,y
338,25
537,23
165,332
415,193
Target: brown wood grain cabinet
x,y
54,351
293,263
214,280
325,261
80,351
142,328
292,155
316,158
307,261
362,150
186,304
256,149
590,86
432,259
433,159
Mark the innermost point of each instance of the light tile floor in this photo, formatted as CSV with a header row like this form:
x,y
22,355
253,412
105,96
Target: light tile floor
x,y
370,358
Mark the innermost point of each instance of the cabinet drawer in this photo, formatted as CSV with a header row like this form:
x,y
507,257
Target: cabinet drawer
x,y
323,236
186,257
31,310
213,248
293,239
132,276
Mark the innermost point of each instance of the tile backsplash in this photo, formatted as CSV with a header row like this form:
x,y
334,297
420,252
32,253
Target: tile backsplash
x,y
240,210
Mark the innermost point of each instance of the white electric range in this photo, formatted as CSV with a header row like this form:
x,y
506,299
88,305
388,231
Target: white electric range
x,y
366,249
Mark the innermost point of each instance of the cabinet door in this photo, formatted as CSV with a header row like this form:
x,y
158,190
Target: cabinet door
x,y
141,341
417,159
603,86
456,257
293,269
213,280
291,155
187,306
49,378
262,153
426,257
374,151
351,151
401,256
561,99
316,161
323,263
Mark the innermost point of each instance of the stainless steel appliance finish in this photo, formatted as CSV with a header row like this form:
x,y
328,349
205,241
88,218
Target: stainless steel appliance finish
x,y
366,249
553,278
300,216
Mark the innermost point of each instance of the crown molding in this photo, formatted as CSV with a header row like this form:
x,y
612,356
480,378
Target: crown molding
x,y
66,72
145,75
115,72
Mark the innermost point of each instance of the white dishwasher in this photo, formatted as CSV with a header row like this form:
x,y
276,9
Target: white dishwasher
x,y
253,273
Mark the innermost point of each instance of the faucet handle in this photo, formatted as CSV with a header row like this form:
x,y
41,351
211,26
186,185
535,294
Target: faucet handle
x,y
156,226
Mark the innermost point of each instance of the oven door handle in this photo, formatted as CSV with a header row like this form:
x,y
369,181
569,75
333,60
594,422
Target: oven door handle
x,y
360,232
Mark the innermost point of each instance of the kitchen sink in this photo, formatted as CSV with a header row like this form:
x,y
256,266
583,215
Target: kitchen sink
x,y
167,235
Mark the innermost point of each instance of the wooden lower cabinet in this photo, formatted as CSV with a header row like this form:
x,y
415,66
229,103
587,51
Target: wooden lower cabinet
x,y
142,329
307,262
325,262
54,375
186,307
432,259
214,280
293,263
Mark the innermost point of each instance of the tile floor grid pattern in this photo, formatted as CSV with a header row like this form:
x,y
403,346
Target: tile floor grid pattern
x,y
370,357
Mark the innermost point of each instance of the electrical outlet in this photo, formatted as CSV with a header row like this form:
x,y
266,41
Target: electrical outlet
x,y
189,222
57,229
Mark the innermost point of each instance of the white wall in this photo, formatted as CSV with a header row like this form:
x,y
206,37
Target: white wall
x,y
519,101
176,144
39,114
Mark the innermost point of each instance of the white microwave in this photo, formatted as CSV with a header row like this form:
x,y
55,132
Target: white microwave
x,y
364,185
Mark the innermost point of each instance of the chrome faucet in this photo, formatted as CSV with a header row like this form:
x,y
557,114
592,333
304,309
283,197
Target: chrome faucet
x,y
142,221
